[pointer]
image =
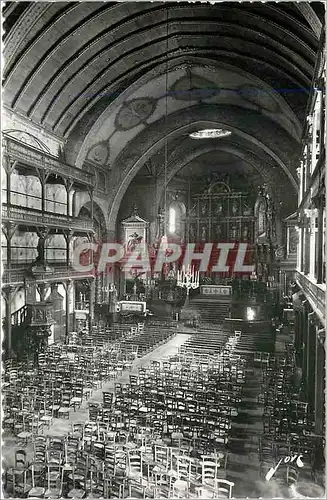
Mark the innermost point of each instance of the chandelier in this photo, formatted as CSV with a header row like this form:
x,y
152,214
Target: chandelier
x,y
210,133
188,279
164,240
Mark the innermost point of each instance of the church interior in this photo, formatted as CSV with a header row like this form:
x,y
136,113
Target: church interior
x,y
162,125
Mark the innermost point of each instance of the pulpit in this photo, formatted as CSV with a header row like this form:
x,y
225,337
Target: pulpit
x,y
41,327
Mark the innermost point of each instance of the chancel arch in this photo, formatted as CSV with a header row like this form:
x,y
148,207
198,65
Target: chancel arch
x,y
139,150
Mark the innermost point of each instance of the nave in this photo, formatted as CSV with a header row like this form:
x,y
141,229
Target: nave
x,y
145,412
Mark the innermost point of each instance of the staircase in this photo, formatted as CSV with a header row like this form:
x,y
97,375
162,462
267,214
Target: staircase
x,y
209,310
255,338
20,320
20,316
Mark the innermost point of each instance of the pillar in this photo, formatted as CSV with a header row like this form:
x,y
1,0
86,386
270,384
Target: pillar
x,y
311,363
320,242
305,344
43,176
92,300
9,229
7,293
69,306
68,185
319,387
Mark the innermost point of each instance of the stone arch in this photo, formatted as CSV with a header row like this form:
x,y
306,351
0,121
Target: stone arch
x,y
185,157
98,216
277,145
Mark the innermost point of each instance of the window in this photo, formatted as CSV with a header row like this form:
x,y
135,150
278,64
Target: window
x,y
172,220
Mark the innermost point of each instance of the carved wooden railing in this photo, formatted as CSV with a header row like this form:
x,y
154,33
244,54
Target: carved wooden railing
x,y
29,156
17,276
38,218
18,317
313,292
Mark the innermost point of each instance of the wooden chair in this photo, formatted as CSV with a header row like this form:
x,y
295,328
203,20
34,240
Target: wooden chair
x,y
20,484
54,481
223,488
38,489
134,472
183,474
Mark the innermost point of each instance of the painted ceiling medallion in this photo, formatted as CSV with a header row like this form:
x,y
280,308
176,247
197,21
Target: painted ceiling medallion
x,y
210,133
135,112
193,87
99,153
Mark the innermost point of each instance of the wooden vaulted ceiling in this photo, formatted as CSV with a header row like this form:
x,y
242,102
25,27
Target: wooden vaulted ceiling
x,y
66,61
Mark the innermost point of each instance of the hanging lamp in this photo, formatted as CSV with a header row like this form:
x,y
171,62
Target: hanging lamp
x,y
164,239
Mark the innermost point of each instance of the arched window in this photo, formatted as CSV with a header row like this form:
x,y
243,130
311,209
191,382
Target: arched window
x,y
176,219
172,220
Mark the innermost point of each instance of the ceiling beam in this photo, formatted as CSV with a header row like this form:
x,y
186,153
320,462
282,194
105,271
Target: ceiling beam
x,y
311,17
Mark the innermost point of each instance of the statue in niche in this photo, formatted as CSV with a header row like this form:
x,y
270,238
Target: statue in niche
x,y
245,233
219,208
39,315
203,209
259,269
218,231
246,210
48,315
234,208
261,218
192,233
203,233
265,271
233,233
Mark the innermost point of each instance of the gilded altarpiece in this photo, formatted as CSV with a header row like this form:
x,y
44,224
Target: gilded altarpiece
x,y
220,214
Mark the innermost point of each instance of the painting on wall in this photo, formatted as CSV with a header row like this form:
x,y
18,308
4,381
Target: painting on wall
x,y
134,230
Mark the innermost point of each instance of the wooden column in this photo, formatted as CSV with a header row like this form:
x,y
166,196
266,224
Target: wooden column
x,y
320,241
305,344
92,300
68,288
68,237
43,177
9,166
91,194
9,229
319,387
68,185
7,293
311,362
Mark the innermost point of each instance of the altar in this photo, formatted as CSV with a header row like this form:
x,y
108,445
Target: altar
x,y
216,290
131,306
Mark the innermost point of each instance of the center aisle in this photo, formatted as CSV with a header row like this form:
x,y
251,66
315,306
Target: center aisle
x,y
243,463
158,354
61,427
